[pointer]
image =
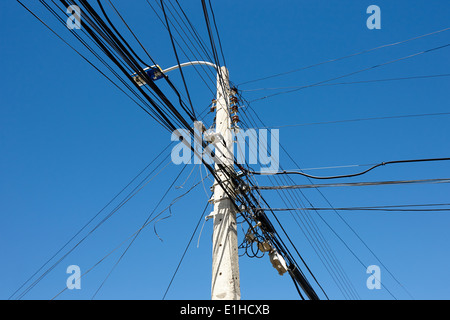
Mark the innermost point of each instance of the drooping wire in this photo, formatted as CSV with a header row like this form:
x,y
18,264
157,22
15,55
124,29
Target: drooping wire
x,y
316,240
353,184
353,174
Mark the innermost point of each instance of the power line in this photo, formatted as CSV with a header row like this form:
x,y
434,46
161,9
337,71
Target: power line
x,y
134,235
148,219
320,246
91,63
116,49
192,43
349,175
342,219
185,251
360,119
176,56
345,57
355,82
120,205
217,32
354,72
89,222
137,234
323,250
399,208
352,184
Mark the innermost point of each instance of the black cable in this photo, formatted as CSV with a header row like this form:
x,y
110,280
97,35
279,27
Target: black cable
x,y
361,209
178,60
351,184
108,36
354,232
194,32
348,175
102,35
119,35
217,32
209,72
321,240
213,48
337,235
87,60
129,60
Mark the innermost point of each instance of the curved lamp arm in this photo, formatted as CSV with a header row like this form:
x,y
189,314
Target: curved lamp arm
x,y
191,63
155,72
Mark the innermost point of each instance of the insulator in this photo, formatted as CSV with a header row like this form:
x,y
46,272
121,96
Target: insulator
x,y
235,118
234,99
234,108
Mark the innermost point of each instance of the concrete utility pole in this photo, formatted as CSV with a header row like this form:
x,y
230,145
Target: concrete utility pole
x,y
225,283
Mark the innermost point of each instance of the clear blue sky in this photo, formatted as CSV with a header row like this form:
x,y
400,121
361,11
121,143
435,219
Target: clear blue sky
x,y
70,141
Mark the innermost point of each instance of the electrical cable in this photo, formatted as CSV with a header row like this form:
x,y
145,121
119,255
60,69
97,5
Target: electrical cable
x,y
185,251
116,248
347,56
374,208
88,223
217,32
349,175
207,71
355,82
120,205
311,231
360,119
340,238
352,184
178,60
354,72
125,60
87,60
146,221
